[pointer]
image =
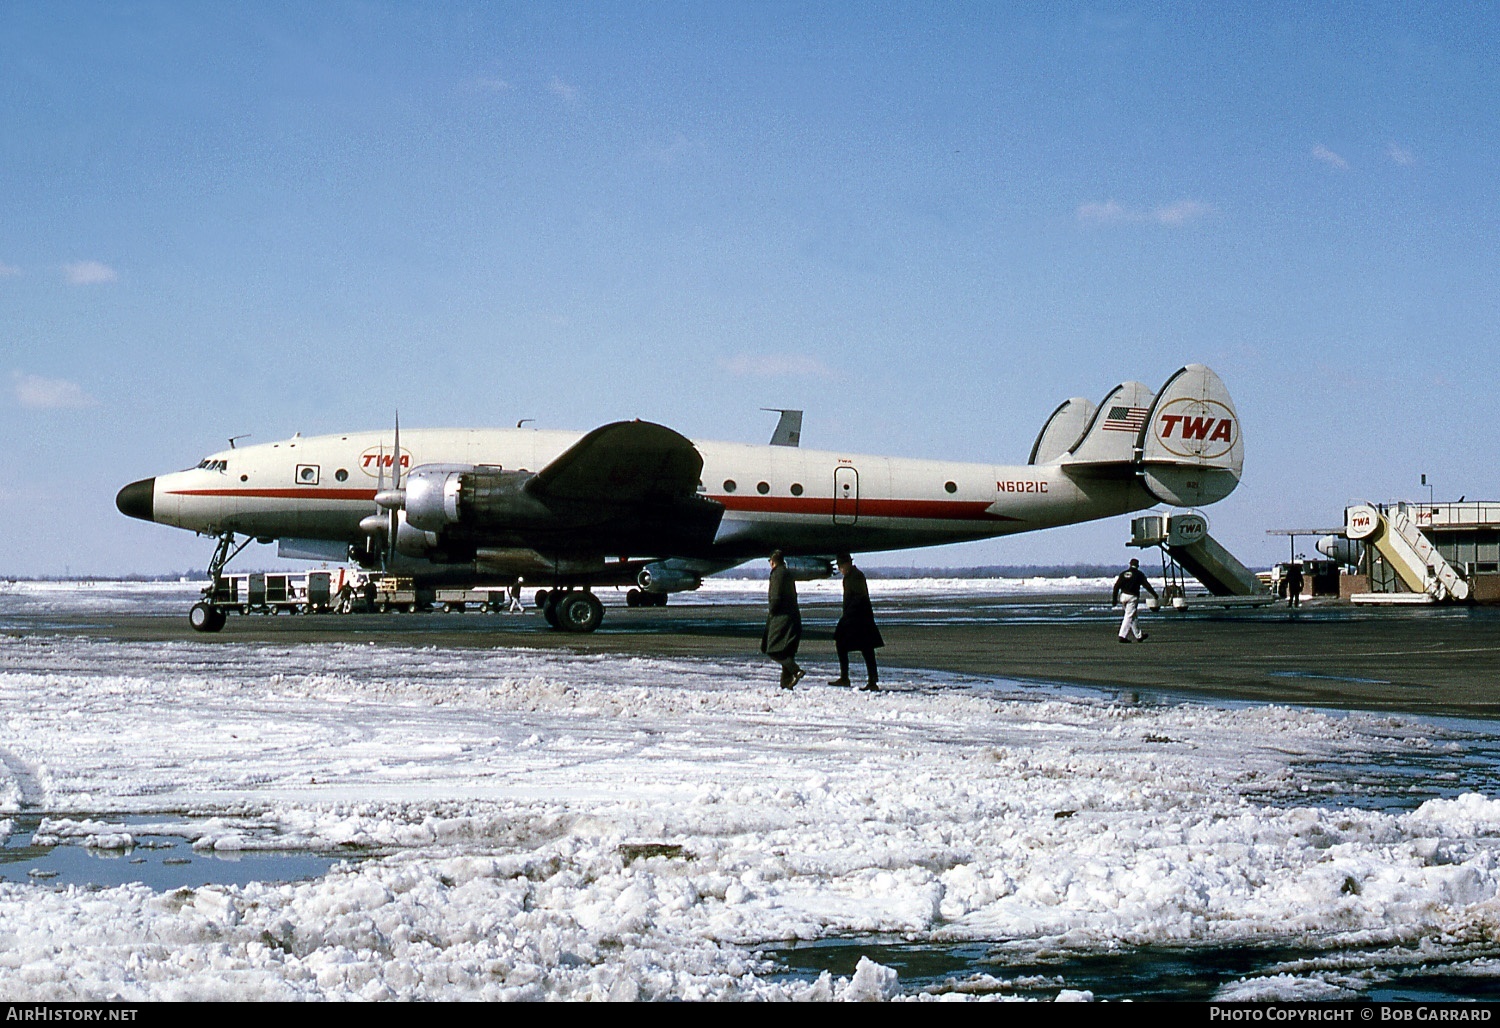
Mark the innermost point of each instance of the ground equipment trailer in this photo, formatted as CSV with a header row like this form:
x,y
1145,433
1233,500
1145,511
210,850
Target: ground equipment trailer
x,y
263,593
333,592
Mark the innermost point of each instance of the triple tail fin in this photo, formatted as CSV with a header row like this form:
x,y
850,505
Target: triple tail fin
x,y
1191,450
1183,443
1108,446
1062,430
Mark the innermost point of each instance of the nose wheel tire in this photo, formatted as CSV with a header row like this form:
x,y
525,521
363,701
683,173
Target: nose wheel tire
x,y
205,617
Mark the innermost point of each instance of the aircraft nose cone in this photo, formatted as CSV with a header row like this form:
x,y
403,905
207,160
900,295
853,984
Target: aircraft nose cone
x,y
137,499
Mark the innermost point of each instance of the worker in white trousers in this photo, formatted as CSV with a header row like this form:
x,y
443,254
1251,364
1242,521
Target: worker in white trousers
x,y
1128,590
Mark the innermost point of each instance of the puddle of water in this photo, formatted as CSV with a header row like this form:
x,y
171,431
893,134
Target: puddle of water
x,y
1328,678
161,861
986,969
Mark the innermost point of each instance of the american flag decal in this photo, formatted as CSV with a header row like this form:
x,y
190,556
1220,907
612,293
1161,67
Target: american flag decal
x,y
1125,419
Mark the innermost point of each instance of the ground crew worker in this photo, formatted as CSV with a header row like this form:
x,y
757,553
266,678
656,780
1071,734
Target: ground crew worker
x,y
1294,584
856,629
1128,590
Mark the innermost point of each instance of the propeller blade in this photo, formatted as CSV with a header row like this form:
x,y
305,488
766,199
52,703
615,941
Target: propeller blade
x,y
396,464
395,513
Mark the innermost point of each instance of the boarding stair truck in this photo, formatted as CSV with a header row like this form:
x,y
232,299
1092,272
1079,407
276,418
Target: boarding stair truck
x,y
1425,574
1187,547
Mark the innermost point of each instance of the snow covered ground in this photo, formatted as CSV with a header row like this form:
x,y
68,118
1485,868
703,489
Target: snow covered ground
x,y
33,597
548,825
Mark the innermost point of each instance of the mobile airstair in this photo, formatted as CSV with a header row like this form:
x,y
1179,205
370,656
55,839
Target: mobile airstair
x,y
1188,549
1425,573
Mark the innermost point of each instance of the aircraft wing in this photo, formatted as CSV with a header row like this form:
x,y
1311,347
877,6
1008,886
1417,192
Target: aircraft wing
x,y
624,463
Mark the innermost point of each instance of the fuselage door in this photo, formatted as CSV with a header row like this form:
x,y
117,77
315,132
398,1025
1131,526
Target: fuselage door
x,y
845,495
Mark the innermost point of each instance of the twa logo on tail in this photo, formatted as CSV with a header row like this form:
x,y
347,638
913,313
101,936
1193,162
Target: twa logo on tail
x,y
1203,429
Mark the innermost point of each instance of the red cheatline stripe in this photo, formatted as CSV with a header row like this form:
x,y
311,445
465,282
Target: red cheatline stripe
x,y
281,494
928,510
934,510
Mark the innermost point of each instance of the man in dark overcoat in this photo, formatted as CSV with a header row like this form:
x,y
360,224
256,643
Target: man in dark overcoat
x,y
783,623
1294,584
856,629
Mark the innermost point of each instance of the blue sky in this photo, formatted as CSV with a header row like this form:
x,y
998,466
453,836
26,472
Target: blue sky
x,y
926,224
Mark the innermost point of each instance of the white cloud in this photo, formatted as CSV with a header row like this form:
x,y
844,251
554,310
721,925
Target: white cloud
x,y
775,365
1174,214
564,91
8,270
487,84
89,273
1329,158
37,393
1109,213
1400,154
1181,212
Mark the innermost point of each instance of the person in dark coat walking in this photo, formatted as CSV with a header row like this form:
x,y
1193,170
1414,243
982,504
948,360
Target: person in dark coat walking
x,y
856,629
783,623
1294,584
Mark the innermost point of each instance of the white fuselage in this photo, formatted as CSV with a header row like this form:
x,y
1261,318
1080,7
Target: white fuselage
x,y
801,501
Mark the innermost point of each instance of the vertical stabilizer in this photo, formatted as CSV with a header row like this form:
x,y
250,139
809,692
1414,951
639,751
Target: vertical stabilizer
x,y
1062,430
1114,429
1191,449
788,431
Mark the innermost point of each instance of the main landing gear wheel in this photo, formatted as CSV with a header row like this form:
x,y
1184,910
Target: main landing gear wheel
x,y
204,617
579,612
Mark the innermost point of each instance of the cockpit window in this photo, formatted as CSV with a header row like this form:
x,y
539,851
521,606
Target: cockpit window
x,y
208,464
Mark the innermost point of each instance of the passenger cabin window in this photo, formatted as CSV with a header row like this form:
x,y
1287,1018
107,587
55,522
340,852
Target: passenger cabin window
x,y
763,488
796,488
341,475
952,487
729,485
307,474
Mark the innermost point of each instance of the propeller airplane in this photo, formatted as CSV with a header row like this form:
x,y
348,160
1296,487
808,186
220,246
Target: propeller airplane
x,y
637,504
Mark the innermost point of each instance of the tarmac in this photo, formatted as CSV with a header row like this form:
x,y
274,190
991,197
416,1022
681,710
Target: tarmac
x,y
1430,661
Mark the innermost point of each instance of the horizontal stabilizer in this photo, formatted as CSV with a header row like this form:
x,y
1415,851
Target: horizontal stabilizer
x,y
1191,449
1109,442
1062,430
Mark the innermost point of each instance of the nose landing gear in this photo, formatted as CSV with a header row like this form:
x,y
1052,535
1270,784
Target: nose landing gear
x,y
204,615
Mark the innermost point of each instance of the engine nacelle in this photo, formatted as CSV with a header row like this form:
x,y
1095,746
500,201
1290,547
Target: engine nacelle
x,y
440,496
806,569
1345,551
660,578
415,542
431,502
